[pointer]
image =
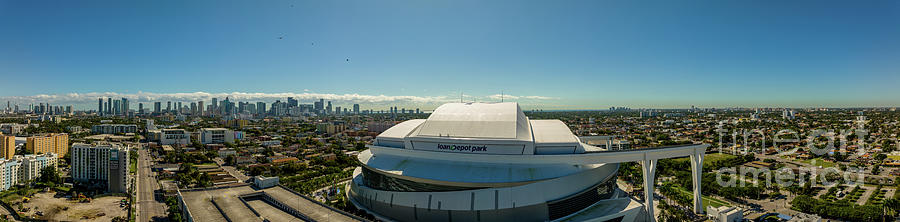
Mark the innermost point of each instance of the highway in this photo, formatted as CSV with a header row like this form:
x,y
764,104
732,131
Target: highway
x,y
148,209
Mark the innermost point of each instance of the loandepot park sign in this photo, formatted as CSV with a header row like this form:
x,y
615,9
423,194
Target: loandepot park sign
x,y
463,148
469,148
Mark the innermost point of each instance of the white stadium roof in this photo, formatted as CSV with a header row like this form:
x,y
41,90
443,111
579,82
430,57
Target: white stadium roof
x,y
476,120
502,127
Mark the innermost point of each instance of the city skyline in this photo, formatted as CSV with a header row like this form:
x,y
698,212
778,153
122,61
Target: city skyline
x,y
584,55
87,101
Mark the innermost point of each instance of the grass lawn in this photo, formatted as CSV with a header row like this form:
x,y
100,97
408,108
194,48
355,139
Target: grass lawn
x,y
708,158
207,164
819,162
63,189
707,201
11,195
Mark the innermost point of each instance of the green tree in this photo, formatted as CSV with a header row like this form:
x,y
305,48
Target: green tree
x,y
230,160
49,175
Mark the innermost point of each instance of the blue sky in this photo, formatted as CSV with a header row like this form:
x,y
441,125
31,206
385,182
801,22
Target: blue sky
x,y
560,54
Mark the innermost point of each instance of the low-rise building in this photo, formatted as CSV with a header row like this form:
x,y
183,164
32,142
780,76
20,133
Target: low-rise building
x,y
725,214
216,135
227,151
12,128
174,137
114,128
282,159
241,160
262,182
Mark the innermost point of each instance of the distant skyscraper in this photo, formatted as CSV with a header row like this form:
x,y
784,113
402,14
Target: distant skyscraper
x,y
292,102
117,107
141,108
125,106
215,105
200,108
260,108
319,106
355,108
108,105
328,108
100,107
157,107
168,106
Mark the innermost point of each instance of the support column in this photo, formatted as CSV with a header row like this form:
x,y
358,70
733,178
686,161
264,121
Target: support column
x,y
697,177
649,168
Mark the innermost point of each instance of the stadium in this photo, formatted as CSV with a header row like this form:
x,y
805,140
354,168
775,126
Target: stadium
x,y
490,162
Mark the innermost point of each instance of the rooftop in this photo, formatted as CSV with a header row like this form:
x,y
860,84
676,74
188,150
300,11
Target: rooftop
x,y
476,120
202,207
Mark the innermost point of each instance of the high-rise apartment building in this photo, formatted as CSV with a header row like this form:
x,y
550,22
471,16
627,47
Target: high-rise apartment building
x,y
101,162
355,108
7,146
100,107
157,107
57,143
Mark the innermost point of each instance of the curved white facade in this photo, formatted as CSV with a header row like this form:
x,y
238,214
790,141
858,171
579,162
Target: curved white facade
x,y
484,162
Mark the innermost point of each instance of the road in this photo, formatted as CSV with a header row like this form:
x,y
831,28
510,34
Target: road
x,y
148,209
231,170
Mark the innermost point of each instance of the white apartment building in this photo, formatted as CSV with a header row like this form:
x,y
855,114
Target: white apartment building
x,y
114,128
31,165
174,137
101,162
24,168
216,136
9,173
